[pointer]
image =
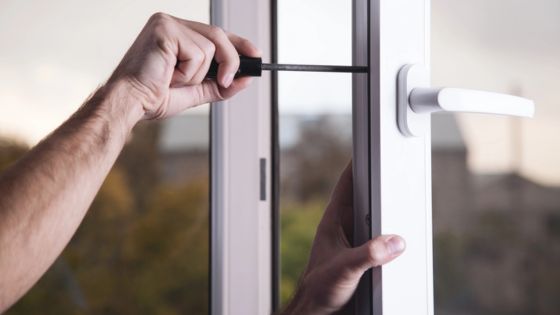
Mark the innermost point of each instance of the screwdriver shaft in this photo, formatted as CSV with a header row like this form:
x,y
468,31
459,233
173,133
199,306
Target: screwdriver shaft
x,y
313,68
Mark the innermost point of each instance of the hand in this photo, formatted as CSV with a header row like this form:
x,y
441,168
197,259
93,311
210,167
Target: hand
x,y
167,64
334,267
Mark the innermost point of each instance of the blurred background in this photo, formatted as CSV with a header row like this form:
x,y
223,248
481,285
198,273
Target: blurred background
x,y
496,180
143,247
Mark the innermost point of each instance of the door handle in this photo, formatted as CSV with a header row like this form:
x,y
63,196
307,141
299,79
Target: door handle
x,y
417,100
429,100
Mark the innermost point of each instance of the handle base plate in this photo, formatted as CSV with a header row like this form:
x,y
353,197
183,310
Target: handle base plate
x,y
410,123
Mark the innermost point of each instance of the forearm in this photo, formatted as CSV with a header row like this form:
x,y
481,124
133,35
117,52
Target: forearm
x,y
44,197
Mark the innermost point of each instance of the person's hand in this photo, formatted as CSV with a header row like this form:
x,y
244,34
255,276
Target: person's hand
x,y
334,267
167,64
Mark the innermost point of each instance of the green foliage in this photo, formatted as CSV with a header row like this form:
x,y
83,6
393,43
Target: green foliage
x,y
131,255
298,223
312,167
124,262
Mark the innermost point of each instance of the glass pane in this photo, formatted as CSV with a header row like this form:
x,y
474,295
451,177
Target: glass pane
x,y
143,246
315,31
315,123
311,142
496,180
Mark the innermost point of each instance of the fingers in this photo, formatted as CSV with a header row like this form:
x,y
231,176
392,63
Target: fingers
x,y
183,98
226,55
192,62
214,43
236,86
376,252
244,46
174,58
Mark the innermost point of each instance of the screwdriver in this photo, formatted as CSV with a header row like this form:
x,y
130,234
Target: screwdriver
x,y
253,67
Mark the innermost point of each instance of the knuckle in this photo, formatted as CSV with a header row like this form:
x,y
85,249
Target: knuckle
x,y
210,49
235,61
196,80
197,56
216,32
377,253
161,22
207,92
160,25
245,42
347,272
159,17
216,93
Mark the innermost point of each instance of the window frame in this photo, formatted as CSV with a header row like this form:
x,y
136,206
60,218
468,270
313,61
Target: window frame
x,y
241,218
392,173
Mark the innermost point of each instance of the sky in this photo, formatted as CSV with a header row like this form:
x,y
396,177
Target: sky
x,y
50,63
508,46
322,37
55,53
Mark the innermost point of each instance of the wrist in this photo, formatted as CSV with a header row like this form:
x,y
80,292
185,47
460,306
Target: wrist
x,y
147,100
120,105
301,304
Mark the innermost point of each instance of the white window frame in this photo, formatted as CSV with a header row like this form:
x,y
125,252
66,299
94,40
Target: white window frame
x,y
241,238
392,164
392,173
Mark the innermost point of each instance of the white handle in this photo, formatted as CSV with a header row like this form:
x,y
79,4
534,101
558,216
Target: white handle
x,y
429,100
416,100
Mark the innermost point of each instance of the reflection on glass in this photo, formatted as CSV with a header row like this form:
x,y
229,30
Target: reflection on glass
x,y
143,246
314,149
315,123
496,180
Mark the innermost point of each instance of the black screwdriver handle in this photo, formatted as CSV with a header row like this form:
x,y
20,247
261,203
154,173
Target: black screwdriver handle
x,y
248,67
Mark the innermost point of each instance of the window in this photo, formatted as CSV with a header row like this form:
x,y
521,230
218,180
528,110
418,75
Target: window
x,y
241,193
143,247
219,217
383,158
315,123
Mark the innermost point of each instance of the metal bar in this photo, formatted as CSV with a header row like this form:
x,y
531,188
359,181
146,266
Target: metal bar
x,y
275,161
314,68
361,123
216,229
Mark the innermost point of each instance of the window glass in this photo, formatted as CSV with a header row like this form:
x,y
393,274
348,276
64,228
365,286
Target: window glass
x,y
315,123
143,246
496,180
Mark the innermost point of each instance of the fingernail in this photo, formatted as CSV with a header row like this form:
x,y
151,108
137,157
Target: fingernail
x,y
395,245
228,79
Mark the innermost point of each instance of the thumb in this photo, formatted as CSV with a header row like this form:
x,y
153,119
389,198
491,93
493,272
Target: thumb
x,y
181,98
376,252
